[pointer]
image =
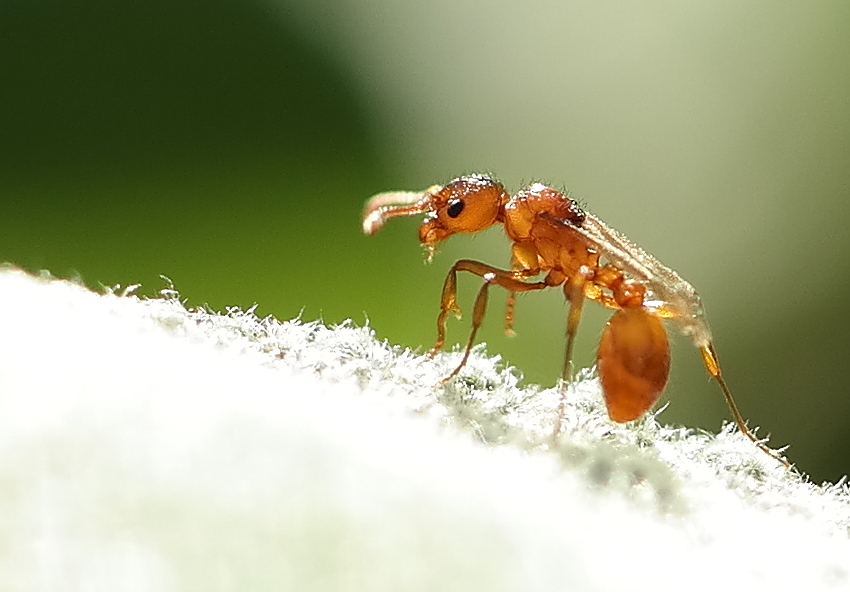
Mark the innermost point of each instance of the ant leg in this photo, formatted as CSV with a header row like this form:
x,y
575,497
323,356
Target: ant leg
x,y
477,318
709,357
509,314
574,291
573,319
491,275
448,304
506,279
525,265
511,305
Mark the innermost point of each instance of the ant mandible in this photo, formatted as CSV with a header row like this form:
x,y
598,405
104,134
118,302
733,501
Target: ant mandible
x,y
551,234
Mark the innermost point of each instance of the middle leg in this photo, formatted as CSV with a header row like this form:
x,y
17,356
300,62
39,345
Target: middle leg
x,y
574,292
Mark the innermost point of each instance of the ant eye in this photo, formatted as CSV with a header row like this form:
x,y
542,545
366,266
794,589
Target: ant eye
x,y
455,208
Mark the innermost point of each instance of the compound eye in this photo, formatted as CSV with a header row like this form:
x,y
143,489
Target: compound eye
x,y
455,208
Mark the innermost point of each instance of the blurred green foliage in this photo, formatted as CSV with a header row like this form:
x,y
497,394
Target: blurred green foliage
x,y
200,140
230,145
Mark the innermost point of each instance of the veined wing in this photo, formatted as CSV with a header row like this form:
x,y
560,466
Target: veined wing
x,y
668,292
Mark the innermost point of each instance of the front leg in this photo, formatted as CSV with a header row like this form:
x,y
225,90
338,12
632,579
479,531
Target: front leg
x,y
491,275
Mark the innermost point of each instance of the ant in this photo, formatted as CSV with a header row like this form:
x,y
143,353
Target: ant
x,y
552,235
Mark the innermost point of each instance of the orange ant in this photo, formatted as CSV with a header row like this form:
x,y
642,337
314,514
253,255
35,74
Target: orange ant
x,y
551,234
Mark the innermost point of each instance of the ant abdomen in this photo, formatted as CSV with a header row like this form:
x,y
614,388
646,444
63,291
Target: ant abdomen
x,y
633,363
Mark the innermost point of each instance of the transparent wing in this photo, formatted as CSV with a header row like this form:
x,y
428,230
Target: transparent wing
x,y
668,292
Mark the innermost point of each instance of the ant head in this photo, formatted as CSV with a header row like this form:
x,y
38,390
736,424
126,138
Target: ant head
x,y
467,204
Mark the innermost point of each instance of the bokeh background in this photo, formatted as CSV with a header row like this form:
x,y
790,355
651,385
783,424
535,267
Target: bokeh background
x,y
230,146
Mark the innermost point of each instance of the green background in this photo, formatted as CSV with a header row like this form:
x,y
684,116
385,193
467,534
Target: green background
x,y
230,146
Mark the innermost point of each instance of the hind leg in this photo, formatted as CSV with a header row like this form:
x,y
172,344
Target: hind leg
x,y
712,364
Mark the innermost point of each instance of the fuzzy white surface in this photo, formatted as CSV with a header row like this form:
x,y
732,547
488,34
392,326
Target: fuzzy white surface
x,y
147,447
